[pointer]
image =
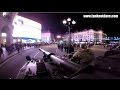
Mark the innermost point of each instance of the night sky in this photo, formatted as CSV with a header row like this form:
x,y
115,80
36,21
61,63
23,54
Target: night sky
x,y
53,22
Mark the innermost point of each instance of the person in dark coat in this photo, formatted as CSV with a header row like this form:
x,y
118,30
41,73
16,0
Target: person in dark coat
x,y
1,52
65,47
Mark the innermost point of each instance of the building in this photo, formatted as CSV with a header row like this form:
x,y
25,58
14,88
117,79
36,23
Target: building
x,y
87,36
112,39
24,31
6,19
47,37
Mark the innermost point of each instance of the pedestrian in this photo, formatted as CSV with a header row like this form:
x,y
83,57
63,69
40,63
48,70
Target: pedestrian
x,y
104,45
61,47
68,49
65,48
1,52
71,49
18,49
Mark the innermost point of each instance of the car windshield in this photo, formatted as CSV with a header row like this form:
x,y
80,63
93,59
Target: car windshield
x,y
59,46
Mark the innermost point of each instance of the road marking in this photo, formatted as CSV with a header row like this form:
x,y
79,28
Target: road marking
x,y
36,54
20,70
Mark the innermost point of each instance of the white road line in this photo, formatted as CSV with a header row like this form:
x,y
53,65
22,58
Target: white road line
x,y
20,70
25,65
36,54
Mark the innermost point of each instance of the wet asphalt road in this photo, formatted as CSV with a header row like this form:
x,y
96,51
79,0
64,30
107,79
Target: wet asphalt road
x,y
11,68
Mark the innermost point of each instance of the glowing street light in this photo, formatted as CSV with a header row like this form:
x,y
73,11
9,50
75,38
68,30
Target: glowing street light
x,y
68,22
69,19
64,21
73,22
58,36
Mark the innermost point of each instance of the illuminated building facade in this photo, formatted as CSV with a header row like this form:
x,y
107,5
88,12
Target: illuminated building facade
x,y
24,31
87,36
113,39
47,37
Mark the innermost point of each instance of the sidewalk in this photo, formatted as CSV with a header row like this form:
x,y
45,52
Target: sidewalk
x,y
6,55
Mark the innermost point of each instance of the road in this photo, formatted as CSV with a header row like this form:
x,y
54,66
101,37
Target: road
x,y
98,50
11,68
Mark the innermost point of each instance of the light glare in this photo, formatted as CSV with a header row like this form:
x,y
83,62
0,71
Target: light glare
x,y
73,22
3,35
4,13
64,21
69,19
58,36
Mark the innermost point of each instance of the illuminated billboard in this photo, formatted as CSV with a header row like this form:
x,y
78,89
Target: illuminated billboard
x,y
24,27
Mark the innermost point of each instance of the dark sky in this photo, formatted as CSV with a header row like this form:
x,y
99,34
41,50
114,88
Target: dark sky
x,y
53,22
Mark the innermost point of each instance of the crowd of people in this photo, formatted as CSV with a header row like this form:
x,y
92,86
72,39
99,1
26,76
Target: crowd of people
x,y
65,47
19,46
16,47
69,48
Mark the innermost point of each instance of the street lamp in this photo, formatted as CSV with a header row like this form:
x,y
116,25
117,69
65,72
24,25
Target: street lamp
x,y
73,22
64,21
58,36
69,19
68,22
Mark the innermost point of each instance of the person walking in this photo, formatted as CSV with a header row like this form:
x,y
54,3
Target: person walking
x,y
1,52
18,49
65,47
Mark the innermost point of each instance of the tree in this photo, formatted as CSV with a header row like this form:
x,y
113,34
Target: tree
x,y
85,56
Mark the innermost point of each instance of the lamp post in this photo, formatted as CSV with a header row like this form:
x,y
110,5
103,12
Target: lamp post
x,y
68,22
58,36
